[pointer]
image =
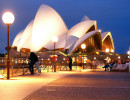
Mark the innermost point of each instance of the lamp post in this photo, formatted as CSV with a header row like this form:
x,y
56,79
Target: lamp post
x,y
8,19
129,58
54,39
83,46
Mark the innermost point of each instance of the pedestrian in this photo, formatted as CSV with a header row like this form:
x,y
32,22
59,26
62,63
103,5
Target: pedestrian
x,y
70,62
32,62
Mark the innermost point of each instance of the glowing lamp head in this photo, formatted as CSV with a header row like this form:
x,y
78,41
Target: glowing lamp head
x,y
106,50
54,39
100,30
8,18
128,52
119,57
83,46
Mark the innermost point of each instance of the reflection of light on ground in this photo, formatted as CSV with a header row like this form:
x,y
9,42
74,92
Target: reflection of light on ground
x,y
86,70
20,87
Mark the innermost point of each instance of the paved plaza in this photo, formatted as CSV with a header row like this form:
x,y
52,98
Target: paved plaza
x,y
68,85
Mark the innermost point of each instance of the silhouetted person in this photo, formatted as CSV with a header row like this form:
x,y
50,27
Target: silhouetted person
x,y
70,63
111,66
32,59
106,66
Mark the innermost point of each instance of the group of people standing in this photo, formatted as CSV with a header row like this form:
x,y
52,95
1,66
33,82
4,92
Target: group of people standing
x,y
34,61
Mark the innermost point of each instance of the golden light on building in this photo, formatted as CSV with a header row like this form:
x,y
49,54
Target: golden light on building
x,y
112,50
106,50
97,52
128,52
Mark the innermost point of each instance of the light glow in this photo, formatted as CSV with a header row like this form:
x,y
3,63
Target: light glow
x,y
8,18
100,30
83,46
119,57
94,58
112,50
106,50
1,76
54,39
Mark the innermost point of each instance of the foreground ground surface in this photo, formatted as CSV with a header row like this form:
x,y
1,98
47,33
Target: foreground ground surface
x,y
85,86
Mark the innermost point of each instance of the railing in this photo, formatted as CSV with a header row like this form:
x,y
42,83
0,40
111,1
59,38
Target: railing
x,y
19,66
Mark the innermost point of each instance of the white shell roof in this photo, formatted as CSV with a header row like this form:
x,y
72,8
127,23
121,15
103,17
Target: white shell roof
x,y
47,24
82,39
105,34
17,39
85,18
26,39
78,31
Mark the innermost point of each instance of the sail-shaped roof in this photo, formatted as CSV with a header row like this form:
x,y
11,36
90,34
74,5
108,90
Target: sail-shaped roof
x,y
26,38
109,42
78,31
17,39
83,38
47,24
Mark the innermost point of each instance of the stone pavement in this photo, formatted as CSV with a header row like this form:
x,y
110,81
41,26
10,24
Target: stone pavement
x,y
18,88
67,85
86,86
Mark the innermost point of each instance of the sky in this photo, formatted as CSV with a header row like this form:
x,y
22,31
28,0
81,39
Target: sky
x,y
111,15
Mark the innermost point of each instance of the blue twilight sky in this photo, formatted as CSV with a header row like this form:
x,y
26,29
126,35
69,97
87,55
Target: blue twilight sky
x,y
111,15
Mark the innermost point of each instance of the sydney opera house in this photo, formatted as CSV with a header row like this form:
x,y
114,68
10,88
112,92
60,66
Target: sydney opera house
x,y
37,36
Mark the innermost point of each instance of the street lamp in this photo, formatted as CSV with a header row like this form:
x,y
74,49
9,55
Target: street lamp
x,y
54,39
83,46
8,19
